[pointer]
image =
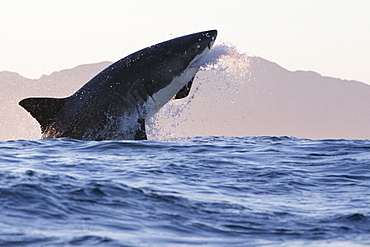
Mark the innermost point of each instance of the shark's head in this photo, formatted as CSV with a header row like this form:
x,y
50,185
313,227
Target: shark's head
x,y
173,64
179,54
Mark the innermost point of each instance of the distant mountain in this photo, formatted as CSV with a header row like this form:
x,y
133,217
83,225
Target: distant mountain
x,y
245,97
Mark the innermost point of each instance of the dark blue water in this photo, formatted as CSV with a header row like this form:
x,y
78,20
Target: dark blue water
x,y
253,191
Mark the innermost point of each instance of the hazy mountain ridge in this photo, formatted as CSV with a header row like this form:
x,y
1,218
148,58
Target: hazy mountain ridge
x,y
268,100
334,105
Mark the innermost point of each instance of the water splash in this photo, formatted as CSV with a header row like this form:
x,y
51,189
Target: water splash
x,y
223,74
226,59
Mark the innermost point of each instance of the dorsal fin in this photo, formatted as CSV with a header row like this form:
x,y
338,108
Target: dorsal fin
x,y
184,92
44,110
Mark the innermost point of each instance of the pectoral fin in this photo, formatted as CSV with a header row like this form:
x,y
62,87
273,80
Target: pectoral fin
x,y
184,92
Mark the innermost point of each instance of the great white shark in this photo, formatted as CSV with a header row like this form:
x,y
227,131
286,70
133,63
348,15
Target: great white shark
x,y
118,100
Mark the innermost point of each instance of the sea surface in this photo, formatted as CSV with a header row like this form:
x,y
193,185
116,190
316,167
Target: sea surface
x,y
204,191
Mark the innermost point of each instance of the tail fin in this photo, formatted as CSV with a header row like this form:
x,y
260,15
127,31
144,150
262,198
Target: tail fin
x,y
44,110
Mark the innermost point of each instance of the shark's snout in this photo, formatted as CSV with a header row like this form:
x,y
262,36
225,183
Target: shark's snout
x,y
211,37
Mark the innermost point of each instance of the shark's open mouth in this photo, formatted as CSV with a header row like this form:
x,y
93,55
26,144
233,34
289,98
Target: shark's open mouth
x,y
202,59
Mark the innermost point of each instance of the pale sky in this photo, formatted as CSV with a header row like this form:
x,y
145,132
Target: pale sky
x,y
329,37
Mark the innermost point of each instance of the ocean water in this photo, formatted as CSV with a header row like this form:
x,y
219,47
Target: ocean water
x,y
204,191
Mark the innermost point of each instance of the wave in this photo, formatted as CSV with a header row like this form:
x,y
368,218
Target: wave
x,y
211,191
